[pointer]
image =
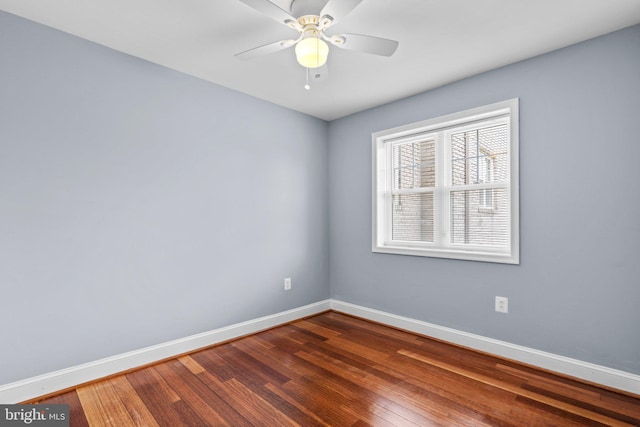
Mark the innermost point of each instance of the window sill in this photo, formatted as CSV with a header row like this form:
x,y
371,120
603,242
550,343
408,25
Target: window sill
x,y
497,257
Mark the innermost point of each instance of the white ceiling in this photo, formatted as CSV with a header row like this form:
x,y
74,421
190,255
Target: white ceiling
x,y
441,41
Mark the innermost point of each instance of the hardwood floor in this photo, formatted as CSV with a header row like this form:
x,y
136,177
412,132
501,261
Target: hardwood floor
x,y
337,370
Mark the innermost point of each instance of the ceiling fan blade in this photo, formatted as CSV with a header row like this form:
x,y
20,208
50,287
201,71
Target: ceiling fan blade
x,y
265,50
274,12
338,9
367,44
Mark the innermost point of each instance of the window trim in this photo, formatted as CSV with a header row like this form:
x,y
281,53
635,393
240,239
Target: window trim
x,y
381,142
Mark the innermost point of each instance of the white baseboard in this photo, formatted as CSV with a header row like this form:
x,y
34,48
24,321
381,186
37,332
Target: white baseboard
x,y
31,388
564,365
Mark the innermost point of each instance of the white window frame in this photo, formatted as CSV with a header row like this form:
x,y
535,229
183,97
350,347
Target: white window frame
x,y
440,129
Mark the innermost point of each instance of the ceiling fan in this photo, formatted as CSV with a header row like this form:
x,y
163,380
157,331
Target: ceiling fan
x,y
311,18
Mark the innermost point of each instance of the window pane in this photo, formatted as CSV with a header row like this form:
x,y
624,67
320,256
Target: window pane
x,y
480,155
414,165
412,217
480,217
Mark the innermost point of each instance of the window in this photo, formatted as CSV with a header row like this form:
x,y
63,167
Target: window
x,y
448,187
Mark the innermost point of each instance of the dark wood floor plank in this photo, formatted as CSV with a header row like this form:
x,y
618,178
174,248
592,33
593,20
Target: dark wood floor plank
x,y
416,407
308,332
244,365
214,364
194,393
317,329
542,398
382,400
374,355
568,418
455,388
351,326
266,392
295,335
137,410
372,399
312,378
465,350
320,400
244,400
621,404
77,418
310,418
303,391
487,402
156,394
582,403
337,370
248,404
191,417
427,400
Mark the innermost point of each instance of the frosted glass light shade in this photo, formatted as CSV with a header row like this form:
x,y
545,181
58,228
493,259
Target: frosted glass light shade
x,y
312,52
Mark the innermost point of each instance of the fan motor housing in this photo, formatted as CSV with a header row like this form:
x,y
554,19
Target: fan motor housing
x,y
309,20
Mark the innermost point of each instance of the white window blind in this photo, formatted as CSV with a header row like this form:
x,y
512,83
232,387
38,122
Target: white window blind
x,y
479,164
414,183
448,187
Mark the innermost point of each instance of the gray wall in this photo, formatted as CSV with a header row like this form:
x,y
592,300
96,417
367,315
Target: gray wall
x,y
140,205
577,290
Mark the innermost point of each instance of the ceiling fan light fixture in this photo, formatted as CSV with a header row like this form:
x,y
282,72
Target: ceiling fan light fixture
x,y
312,52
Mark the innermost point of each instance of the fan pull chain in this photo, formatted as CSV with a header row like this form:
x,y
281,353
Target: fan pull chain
x,y
307,86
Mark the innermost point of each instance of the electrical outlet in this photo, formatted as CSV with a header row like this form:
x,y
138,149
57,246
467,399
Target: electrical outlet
x,y
287,283
502,304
